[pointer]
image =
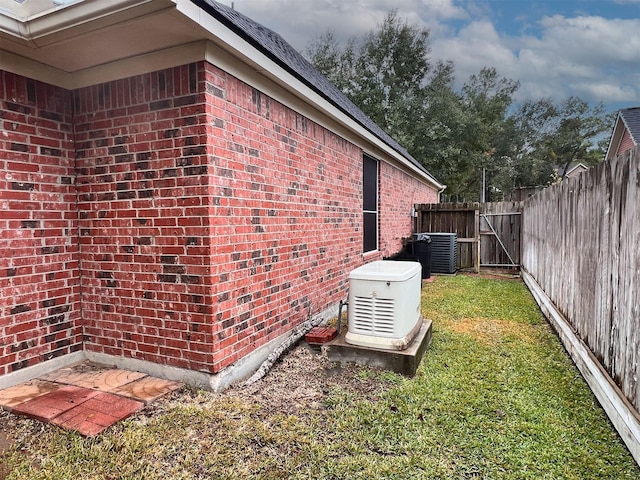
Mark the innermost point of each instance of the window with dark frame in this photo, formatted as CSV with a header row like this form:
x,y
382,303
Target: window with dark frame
x,y
370,203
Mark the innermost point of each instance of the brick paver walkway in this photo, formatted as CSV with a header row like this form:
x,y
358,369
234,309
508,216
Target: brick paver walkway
x,y
85,397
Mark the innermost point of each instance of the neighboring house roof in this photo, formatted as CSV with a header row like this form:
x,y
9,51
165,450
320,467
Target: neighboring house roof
x,y
572,170
276,47
626,132
119,38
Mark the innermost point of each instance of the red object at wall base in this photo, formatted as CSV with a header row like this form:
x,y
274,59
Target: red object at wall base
x,y
319,335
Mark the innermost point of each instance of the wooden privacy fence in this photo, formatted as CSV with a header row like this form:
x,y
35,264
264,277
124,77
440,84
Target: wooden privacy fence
x,y
581,244
488,233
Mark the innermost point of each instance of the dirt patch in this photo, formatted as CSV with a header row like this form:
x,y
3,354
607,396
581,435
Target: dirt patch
x,y
492,331
5,445
302,379
494,274
15,433
299,383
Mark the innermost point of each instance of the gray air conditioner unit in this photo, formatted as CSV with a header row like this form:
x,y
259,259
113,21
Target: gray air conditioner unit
x,y
444,252
384,304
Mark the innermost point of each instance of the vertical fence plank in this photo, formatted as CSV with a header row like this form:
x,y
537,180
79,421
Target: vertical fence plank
x,y
581,243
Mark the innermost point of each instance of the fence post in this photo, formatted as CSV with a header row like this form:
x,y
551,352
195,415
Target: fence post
x,y
476,256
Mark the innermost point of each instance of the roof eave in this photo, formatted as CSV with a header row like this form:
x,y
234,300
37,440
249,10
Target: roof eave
x,y
616,136
231,42
77,20
628,128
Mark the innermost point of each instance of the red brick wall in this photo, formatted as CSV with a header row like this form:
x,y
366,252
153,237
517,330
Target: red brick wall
x,y
626,143
193,254
143,181
211,218
39,288
398,193
287,216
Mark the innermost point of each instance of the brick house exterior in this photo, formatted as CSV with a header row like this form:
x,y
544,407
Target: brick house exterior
x,y
182,213
626,132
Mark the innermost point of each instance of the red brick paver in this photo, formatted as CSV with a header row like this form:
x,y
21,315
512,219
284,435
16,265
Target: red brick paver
x,y
86,398
320,335
97,413
48,406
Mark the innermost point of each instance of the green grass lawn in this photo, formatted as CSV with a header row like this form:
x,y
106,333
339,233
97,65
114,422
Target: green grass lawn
x,y
496,396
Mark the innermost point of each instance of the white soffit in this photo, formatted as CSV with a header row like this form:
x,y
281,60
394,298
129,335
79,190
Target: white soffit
x,y
29,9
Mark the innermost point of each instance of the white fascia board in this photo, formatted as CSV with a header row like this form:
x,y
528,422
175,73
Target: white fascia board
x,y
139,65
616,137
576,167
29,68
12,27
264,66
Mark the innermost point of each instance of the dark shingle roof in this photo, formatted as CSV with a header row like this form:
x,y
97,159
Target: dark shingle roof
x,y
631,119
278,50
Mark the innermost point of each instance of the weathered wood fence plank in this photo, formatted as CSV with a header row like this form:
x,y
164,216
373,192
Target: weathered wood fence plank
x,y
581,244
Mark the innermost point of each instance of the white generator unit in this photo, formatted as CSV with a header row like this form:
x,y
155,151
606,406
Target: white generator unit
x,y
384,304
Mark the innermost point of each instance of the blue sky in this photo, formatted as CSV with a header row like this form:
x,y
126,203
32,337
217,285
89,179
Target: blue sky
x,y
517,16
554,48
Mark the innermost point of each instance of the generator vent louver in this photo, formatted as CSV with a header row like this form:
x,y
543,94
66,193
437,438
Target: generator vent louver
x,y
373,315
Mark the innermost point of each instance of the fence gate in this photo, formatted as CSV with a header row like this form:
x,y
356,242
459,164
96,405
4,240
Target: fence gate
x,y
488,233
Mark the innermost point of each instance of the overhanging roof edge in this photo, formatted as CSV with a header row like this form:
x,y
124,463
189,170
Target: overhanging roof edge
x,y
210,8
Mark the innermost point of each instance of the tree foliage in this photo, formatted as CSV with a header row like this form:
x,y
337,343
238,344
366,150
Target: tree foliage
x,y
459,134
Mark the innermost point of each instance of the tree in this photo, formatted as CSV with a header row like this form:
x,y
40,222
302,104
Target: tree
x,y
551,137
435,133
392,71
486,98
334,61
384,73
520,144
388,75
458,135
578,127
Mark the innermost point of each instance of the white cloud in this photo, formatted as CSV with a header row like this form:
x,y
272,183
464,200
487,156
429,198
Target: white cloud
x,y
476,46
592,39
591,57
442,9
299,21
556,56
608,88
